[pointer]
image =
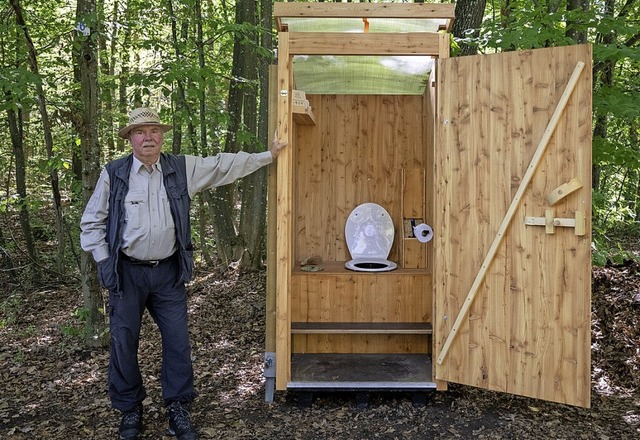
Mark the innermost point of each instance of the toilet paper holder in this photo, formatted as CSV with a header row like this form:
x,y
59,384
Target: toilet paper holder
x,y
416,228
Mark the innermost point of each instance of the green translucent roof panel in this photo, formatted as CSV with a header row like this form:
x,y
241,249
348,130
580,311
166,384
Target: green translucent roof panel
x,y
361,75
386,75
314,24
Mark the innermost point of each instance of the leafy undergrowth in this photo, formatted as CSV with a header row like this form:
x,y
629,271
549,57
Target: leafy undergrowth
x,y
53,388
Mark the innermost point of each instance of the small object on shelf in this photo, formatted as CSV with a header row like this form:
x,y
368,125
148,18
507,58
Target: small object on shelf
x,y
311,268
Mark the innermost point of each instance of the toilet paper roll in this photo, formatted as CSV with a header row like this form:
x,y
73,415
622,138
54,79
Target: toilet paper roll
x,y
423,232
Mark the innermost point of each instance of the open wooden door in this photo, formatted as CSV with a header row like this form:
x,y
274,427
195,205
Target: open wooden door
x,y
512,273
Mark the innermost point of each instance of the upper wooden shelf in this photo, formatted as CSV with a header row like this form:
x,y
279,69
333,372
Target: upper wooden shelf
x,y
303,115
337,267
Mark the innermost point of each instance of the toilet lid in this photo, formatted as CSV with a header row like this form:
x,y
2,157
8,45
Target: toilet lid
x,y
369,232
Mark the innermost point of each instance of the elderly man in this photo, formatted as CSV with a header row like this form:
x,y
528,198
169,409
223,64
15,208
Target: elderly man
x,y
137,227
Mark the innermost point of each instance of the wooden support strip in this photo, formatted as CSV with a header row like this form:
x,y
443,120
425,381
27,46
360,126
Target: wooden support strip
x,y
548,221
341,43
537,156
284,220
581,223
557,222
359,10
272,237
421,328
563,191
444,45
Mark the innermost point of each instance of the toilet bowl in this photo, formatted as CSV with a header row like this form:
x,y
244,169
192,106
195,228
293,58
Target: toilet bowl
x,y
369,233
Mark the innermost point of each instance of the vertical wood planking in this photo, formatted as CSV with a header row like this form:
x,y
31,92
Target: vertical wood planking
x,y
428,126
527,330
582,260
355,298
500,114
413,253
270,300
365,142
284,246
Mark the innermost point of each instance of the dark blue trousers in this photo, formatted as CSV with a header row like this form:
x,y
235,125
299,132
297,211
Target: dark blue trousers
x,y
152,288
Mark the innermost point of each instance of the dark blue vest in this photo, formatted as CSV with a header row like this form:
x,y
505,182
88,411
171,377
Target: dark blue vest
x,y
175,183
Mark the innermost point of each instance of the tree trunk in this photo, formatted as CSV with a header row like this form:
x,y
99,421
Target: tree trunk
x,y
223,198
254,195
14,118
86,67
467,24
603,72
48,138
180,95
573,32
204,197
123,77
107,61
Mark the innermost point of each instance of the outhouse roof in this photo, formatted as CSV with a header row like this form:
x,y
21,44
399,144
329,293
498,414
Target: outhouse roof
x,y
399,68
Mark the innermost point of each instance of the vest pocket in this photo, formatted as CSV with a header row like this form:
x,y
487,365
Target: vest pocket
x,y
107,274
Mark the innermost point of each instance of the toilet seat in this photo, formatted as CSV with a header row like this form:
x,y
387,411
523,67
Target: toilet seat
x,y
369,234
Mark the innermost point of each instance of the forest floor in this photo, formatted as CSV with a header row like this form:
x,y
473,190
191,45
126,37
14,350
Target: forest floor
x,y
53,388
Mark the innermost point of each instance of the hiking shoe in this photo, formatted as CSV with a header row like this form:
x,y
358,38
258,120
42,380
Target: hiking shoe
x,y
180,422
131,424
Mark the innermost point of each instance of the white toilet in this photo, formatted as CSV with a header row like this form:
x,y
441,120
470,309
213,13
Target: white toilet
x,y
369,234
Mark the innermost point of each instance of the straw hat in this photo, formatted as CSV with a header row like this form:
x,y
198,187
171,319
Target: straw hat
x,y
142,116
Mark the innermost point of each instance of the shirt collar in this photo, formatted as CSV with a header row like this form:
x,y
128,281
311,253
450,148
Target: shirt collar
x,y
137,165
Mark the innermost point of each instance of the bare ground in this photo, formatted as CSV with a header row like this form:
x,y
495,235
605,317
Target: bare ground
x,y
53,388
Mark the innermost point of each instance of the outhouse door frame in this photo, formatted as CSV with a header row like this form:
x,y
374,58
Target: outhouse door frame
x,y
291,44
512,246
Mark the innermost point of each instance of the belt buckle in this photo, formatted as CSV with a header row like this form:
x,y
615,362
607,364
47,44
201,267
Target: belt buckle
x,y
153,263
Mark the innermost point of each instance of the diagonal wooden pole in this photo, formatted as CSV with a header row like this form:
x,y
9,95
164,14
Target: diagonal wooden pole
x,y
535,160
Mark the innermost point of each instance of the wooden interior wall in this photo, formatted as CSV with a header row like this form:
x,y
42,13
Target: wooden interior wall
x,y
362,149
357,297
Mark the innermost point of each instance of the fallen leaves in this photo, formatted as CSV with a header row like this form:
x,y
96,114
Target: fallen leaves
x,y
52,388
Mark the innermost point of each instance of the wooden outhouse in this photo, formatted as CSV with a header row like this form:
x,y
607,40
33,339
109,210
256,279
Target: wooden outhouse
x,y
492,151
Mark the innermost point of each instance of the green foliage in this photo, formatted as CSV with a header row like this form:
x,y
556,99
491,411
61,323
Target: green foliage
x,y
610,244
10,308
605,252
76,328
618,100
611,151
16,86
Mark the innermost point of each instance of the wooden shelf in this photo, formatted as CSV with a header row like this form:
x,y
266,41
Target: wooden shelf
x,y
415,328
303,115
337,267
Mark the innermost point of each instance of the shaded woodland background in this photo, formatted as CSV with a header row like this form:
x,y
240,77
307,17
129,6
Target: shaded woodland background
x,y
70,71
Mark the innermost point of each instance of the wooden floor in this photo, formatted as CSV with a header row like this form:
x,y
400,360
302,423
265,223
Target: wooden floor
x,y
361,372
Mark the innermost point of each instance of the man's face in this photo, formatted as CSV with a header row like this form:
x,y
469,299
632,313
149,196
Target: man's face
x,y
146,142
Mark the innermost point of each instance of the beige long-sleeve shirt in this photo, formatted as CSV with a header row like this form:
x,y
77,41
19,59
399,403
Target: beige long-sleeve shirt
x,y
149,232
